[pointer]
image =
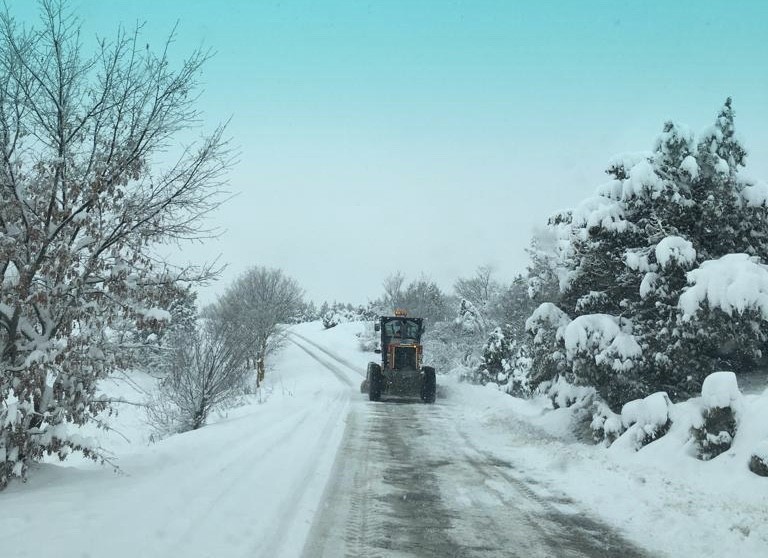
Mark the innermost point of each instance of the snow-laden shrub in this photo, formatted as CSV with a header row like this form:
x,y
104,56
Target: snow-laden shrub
x,y
470,319
758,463
564,395
600,350
721,403
339,313
206,372
646,419
520,372
606,426
330,319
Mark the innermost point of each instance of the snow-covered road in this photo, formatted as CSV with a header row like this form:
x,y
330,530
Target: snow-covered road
x,y
410,480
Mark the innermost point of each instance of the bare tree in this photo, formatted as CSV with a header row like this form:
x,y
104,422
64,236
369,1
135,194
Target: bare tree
x,y
480,290
254,309
205,370
393,290
87,189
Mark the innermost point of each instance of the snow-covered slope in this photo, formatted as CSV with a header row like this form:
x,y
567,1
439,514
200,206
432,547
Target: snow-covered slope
x,y
246,485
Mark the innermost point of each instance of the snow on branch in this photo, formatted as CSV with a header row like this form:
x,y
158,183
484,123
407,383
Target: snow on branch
x,y
675,249
735,282
547,315
755,193
599,211
601,336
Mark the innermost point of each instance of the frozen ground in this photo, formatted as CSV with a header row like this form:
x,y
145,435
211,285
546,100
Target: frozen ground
x,y
315,468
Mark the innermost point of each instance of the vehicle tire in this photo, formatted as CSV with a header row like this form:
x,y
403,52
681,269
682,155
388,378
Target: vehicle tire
x,y
375,381
429,385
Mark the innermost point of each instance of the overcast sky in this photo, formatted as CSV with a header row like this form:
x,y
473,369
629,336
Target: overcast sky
x,y
433,136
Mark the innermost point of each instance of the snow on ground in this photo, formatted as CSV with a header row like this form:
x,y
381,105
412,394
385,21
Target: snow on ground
x,y
661,496
248,484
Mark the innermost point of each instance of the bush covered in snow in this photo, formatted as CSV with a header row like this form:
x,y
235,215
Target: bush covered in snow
x,y
646,419
564,395
340,313
205,372
721,404
545,327
606,426
758,463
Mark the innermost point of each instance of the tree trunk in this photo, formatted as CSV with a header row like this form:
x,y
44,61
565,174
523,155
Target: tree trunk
x,y
260,370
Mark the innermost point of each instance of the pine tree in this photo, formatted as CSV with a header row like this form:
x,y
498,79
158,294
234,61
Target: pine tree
x,y
498,354
629,250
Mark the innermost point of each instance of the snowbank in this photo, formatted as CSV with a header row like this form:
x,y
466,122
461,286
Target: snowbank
x,y
661,496
719,390
247,484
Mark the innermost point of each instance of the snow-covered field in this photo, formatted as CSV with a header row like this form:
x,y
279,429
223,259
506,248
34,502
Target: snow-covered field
x,y
250,483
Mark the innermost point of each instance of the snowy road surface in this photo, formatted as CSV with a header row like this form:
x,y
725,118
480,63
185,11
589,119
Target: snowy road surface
x,y
410,481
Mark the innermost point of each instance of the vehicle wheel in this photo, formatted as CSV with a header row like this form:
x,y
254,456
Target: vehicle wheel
x,y
429,385
374,381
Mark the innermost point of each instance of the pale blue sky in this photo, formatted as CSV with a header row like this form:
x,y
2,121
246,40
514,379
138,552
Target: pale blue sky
x,y
432,136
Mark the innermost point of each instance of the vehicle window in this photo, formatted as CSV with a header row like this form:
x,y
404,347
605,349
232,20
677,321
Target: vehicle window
x,y
393,328
411,329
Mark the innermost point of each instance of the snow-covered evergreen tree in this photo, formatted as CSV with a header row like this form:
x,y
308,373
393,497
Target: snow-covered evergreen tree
x,y
630,254
498,353
504,362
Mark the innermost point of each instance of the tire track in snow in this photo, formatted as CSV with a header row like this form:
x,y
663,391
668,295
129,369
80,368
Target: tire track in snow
x,y
351,524
199,506
334,356
301,495
335,370
287,517
562,523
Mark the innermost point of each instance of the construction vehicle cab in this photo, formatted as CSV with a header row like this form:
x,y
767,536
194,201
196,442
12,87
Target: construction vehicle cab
x,y
400,371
